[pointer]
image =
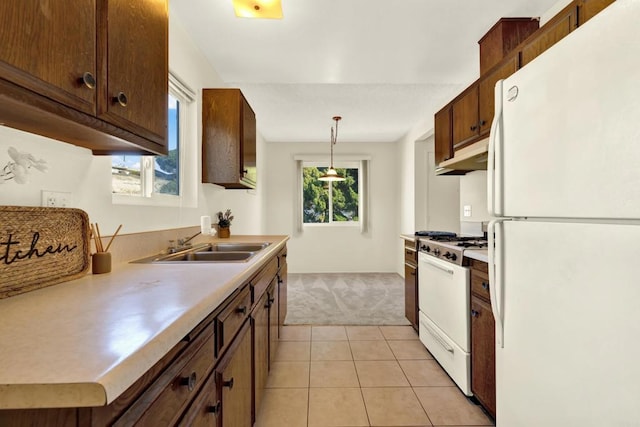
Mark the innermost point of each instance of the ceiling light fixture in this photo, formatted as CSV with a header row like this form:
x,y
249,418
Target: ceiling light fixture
x,y
332,174
265,9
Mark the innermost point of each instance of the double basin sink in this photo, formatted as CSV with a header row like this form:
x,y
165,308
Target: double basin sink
x,y
211,252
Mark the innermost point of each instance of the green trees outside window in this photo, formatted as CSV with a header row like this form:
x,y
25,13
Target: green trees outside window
x,y
327,202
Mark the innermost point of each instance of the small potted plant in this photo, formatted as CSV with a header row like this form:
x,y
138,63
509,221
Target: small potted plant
x,y
224,223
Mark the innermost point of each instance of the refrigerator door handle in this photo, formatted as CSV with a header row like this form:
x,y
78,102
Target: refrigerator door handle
x,y
494,178
494,230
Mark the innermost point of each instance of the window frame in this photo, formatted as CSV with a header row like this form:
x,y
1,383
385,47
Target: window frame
x,y
186,98
346,164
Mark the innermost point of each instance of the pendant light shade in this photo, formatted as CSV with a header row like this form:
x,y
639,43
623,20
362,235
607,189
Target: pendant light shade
x,y
332,174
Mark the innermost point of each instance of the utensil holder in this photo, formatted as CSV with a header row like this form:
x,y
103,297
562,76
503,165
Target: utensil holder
x,y
101,262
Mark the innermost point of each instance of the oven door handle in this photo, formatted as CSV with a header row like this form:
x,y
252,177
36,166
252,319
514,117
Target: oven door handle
x,y
438,339
445,269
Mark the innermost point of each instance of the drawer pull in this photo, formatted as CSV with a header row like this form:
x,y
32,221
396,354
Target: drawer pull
x,y
280,280
88,80
242,309
121,99
214,409
474,313
485,286
189,381
228,383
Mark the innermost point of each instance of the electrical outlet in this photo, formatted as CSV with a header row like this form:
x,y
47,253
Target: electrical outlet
x,y
56,199
466,212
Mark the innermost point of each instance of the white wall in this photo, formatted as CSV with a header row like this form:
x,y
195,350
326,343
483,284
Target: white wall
x,y
88,177
427,201
339,248
473,193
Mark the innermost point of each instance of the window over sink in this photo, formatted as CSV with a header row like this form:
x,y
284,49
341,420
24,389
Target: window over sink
x,y
158,180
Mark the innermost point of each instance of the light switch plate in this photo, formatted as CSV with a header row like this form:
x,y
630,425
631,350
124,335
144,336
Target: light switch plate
x,y
466,212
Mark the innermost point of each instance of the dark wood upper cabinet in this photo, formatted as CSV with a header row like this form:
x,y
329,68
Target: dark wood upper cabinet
x,y
465,117
486,92
502,38
551,33
32,58
228,139
134,94
587,9
93,73
442,135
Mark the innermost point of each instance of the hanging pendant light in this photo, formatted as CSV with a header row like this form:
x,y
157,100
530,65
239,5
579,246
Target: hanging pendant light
x,y
332,174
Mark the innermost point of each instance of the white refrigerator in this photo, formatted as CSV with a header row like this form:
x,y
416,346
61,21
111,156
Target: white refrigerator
x,y
564,188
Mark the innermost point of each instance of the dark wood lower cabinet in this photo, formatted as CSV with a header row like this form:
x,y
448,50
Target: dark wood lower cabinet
x,y
483,338
215,376
260,319
233,379
483,354
205,410
411,295
411,282
274,321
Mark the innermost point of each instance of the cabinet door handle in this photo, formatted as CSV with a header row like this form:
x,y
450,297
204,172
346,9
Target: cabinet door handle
x,y
215,409
485,286
244,172
189,381
88,80
474,127
483,122
475,313
121,99
242,309
228,383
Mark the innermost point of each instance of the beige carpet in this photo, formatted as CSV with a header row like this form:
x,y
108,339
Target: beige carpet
x,y
345,299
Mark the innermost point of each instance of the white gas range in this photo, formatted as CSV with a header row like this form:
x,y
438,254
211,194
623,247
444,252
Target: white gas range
x,y
444,302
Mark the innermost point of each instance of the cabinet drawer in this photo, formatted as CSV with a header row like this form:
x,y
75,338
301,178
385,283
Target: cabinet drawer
x,y
231,318
480,266
164,401
410,256
282,258
205,409
260,283
480,284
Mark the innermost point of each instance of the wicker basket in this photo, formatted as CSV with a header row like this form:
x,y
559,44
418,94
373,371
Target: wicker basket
x,y
41,247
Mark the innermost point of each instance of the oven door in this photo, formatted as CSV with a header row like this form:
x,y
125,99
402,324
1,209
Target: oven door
x,y
443,291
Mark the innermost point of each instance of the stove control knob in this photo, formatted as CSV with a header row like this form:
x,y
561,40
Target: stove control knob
x,y
454,257
427,248
448,255
436,252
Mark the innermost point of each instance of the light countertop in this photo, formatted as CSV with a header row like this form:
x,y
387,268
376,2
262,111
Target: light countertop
x,y
408,237
478,254
84,342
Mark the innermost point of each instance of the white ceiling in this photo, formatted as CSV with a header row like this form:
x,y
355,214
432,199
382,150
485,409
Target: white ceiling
x,y
383,65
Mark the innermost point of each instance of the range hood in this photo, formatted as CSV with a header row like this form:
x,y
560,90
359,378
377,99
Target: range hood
x,y
470,158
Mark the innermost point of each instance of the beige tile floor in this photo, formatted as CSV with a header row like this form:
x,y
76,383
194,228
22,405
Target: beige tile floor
x,y
361,376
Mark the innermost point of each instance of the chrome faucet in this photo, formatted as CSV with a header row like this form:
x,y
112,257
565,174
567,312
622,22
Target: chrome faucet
x,y
182,243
